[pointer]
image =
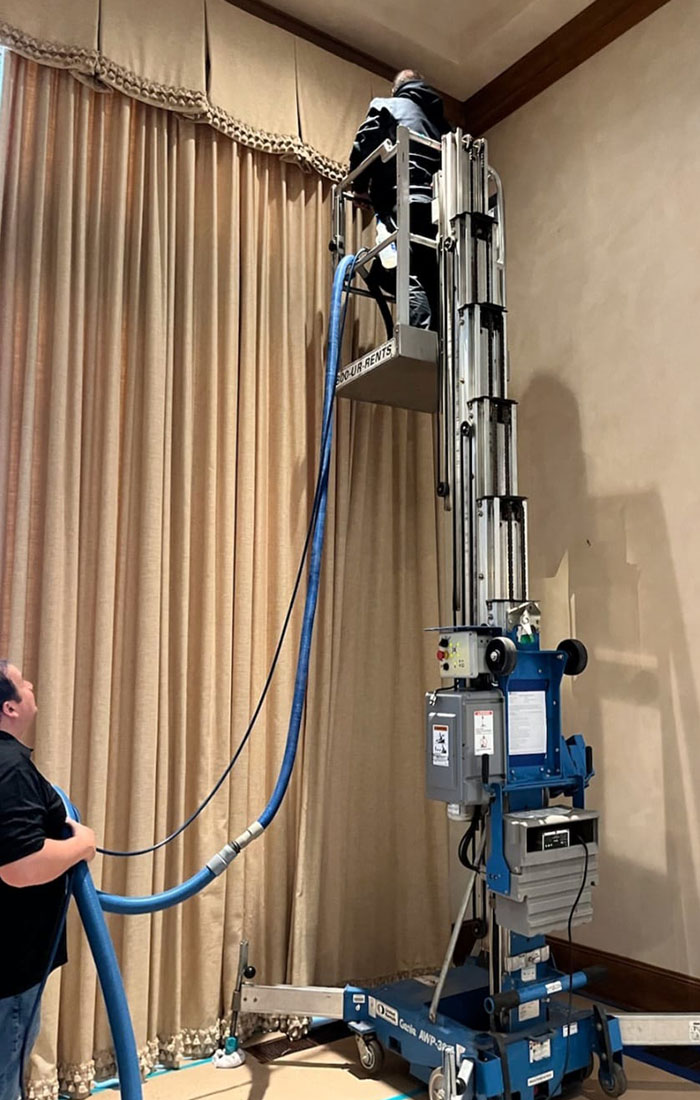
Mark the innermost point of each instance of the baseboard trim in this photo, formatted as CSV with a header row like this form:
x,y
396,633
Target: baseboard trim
x,y
628,983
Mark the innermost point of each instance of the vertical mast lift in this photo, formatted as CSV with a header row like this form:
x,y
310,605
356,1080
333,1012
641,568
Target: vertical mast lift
x,y
497,1026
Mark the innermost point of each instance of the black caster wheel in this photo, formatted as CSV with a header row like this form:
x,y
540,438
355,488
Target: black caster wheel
x,y
615,1083
501,656
371,1054
576,656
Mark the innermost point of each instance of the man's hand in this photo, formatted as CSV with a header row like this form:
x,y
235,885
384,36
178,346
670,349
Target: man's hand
x,y
85,837
361,201
54,858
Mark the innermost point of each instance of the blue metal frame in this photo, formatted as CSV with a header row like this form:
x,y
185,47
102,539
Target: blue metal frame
x,y
538,1054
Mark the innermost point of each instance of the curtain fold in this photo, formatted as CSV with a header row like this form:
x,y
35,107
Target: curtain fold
x,y
210,61
163,298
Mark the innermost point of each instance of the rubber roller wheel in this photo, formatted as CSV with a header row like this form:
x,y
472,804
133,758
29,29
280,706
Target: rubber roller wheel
x,y
576,656
614,1084
501,656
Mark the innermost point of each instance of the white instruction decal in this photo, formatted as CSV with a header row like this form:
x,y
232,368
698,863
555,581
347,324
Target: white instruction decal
x,y
553,987
441,747
483,733
528,973
541,1078
694,1031
529,1011
540,1051
527,723
566,1030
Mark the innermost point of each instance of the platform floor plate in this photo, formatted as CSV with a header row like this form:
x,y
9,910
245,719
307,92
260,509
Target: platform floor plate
x,y
401,372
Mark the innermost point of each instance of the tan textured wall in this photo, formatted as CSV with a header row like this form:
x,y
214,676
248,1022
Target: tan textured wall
x,y
602,179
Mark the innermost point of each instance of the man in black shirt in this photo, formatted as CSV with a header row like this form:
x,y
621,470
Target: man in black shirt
x,y
34,858
414,104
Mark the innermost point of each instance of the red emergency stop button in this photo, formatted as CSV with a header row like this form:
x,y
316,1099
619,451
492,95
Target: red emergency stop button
x,y
441,655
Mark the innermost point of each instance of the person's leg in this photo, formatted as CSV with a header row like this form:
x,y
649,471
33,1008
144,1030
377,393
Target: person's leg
x,y
31,1022
423,288
15,1024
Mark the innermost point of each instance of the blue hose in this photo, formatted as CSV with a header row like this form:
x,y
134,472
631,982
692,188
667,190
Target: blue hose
x,y
90,909
112,903
91,903
152,903
332,360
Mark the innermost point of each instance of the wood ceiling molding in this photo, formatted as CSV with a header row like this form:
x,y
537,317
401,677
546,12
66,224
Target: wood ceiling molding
x,y
454,109
583,36
586,34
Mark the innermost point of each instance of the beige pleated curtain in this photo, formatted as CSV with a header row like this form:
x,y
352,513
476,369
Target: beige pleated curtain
x,y
163,311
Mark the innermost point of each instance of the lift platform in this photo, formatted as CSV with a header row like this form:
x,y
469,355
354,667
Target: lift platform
x,y
403,371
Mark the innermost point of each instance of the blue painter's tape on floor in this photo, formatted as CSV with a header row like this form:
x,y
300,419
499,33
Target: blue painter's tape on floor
x,y
408,1095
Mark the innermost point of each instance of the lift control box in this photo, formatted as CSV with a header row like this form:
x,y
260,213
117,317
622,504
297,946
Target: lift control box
x,y
465,745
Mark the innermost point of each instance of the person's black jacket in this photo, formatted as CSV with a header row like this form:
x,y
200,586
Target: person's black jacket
x,y
419,107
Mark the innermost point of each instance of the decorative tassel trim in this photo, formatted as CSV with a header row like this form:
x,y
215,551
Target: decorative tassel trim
x,y
183,100
284,145
48,53
101,74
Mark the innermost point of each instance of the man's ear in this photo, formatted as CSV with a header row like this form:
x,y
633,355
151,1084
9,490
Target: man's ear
x,y
9,707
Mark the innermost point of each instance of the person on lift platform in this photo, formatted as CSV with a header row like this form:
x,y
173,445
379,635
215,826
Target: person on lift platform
x,y
413,103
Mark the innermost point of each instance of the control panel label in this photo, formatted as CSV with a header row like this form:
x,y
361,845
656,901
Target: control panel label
x,y
527,723
694,1031
529,1011
540,1078
483,733
441,746
540,1051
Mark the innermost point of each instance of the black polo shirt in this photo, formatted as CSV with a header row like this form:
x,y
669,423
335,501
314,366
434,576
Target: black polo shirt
x,y
30,813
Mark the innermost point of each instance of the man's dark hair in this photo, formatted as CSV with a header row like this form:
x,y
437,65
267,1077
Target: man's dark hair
x,y
8,689
403,78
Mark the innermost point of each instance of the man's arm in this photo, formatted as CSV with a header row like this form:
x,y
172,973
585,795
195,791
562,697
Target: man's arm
x,y
52,860
369,137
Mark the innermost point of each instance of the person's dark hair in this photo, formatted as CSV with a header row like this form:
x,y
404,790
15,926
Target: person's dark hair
x,y
8,689
403,78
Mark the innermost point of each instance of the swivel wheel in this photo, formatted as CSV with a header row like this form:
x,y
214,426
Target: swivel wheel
x,y
576,656
501,656
614,1083
371,1054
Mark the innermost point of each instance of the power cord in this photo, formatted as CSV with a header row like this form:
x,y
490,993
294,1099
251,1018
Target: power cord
x,y
273,665
574,907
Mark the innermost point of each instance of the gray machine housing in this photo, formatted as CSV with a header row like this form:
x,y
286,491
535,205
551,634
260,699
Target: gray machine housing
x,y
546,859
465,744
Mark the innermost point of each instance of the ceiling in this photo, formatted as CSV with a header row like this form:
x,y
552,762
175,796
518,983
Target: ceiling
x,y
458,45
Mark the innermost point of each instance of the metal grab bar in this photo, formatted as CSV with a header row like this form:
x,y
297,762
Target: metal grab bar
x,y
383,152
